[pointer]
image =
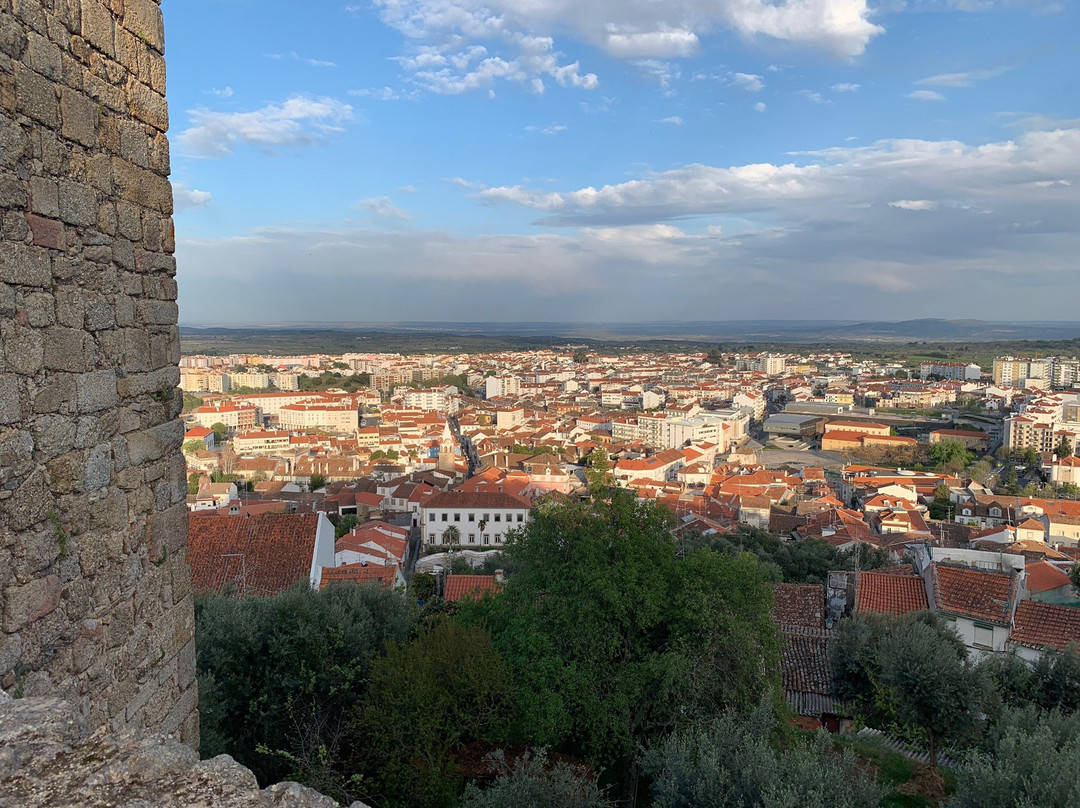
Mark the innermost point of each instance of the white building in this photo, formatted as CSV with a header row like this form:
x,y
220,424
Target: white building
x,y
328,417
501,386
482,518
261,441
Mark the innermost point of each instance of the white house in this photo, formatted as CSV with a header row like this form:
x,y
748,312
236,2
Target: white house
x,y
482,518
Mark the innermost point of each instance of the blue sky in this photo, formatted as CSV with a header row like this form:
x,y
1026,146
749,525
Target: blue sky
x,y
615,160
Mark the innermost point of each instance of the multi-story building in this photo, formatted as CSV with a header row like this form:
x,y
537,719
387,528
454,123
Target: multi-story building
x,y
432,399
250,379
204,381
501,386
261,441
285,381
951,371
1011,371
323,416
482,518
233,416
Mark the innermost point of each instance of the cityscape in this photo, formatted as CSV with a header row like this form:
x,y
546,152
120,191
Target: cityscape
x,y
505,404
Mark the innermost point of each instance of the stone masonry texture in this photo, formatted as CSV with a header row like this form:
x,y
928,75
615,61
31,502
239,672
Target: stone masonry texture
x,y
95,595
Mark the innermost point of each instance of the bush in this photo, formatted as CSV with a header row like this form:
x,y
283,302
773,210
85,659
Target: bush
x,y
732,765
277,675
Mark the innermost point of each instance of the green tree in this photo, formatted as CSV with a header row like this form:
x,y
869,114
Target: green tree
x,y
614,641
598,471
1074,576
345,525
714,357
191,403
933,683
452,536
950,455
316,481
422,586
427,698
536,781
1030,759
279,674
807,561
193,481
1064,447
193,445
220,432
732,765
581,356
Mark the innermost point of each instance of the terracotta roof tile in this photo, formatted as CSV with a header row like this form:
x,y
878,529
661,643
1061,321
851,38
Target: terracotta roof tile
x,y
1046,625
890,593
974,593
799,605
258,555
1043,576
360,573
459,587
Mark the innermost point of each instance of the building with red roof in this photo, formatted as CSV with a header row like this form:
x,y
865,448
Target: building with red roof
x,y
259,555
1044,625
460,587
886,593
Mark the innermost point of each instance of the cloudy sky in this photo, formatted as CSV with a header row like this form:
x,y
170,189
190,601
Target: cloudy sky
x,y
616,160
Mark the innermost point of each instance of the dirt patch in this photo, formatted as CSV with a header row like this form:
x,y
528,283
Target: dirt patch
x,y
925,782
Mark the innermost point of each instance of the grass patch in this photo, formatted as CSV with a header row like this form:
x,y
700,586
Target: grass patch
x,y
894,771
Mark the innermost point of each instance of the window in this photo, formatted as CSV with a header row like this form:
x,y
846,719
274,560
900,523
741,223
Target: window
x,y
457,517
498,517
485,517
444,517
487,538
995,511
521,517
472,517
984,636
472,538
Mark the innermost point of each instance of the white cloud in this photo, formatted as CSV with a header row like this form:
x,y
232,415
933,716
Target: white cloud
x,y
450,69
810,95
298,121
546,130
748,81
664,73
845,87
759,106
226,92
926,95
661,44
961,79
674,120
446,31
384,207
407,189
384,94
294,56
913,204
909,174
185,198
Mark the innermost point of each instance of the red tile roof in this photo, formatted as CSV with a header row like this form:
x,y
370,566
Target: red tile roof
x,y
889,593
1043,576
799,605
1046,625
360,573
476,499
974,593
459,587
257,555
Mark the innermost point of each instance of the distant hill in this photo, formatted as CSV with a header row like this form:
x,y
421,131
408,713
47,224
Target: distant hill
x,y
742,331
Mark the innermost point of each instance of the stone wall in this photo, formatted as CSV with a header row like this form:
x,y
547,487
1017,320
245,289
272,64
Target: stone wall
x,y
95,602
